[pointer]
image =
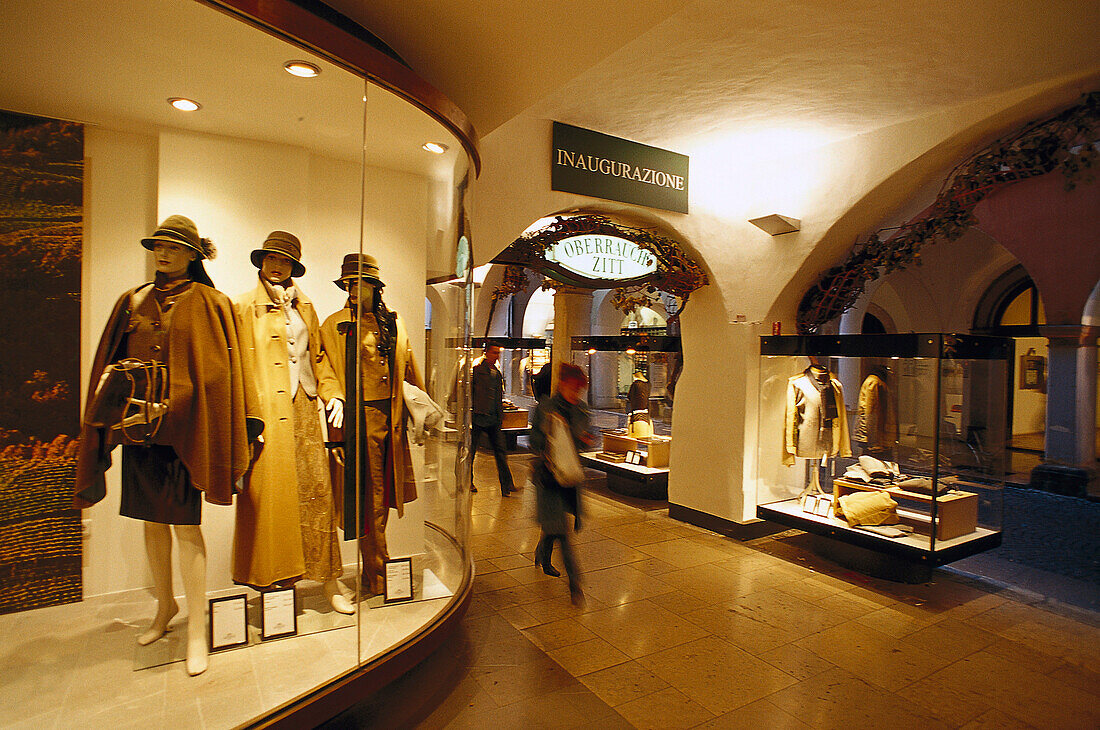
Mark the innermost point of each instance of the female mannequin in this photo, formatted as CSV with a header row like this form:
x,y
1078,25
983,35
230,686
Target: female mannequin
x,y
286,519
816,422
385,361
202,444
637,399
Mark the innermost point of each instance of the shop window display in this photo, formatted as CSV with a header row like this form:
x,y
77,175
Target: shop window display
x,y
636,436
893,443
261,491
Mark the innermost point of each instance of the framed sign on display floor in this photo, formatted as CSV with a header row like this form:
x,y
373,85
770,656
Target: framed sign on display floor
x,y
228,622
399,580
279,616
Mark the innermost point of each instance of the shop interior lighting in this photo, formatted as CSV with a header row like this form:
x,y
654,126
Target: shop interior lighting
x,y
184,105
777,225
434,147
630,351
592,351
302,69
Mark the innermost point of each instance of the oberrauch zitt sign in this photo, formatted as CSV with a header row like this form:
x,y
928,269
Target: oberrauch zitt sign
x,y
602,257
602,166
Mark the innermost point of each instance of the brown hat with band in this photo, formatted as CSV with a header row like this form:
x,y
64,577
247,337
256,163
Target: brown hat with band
x,y
284,244
180,229
359,265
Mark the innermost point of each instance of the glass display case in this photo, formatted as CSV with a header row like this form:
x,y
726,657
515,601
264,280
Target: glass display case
x,y
893,443
631,385
290,558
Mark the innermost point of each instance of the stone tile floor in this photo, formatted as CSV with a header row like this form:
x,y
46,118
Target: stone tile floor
x,y
685,628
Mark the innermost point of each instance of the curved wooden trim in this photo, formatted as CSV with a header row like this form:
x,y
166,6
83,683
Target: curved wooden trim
x,y
353,686
291,22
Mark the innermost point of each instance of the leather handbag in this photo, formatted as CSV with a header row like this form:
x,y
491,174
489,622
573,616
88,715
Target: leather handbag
x,y
130,399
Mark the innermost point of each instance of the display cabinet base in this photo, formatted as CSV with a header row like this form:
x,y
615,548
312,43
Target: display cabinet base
x,y
1072,481
947,551
630,480
871,562
511,436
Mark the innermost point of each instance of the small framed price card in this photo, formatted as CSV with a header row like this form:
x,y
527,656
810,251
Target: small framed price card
x,y
279,614
399,580
228,622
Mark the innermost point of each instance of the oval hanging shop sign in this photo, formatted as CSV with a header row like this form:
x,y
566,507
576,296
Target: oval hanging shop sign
x,y
602,257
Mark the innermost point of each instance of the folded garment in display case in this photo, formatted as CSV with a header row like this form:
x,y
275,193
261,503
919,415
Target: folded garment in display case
x,y
892,443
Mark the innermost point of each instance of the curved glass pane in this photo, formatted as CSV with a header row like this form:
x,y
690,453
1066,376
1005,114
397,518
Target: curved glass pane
x,y
414,257
201,549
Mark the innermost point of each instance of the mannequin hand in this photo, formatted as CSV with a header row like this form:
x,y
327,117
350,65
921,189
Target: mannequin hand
x,y
335,409
338,452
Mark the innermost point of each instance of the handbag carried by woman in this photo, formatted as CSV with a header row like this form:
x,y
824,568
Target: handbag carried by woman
x,y
561,455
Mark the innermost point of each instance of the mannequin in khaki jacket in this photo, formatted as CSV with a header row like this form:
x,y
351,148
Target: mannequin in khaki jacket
x,y
386,360
816,423
286,515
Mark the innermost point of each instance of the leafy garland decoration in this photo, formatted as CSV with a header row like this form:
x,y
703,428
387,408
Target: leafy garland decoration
x,y
677,274
1066,142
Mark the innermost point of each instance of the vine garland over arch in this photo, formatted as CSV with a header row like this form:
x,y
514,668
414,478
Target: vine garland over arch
x,y
1066,142
676,273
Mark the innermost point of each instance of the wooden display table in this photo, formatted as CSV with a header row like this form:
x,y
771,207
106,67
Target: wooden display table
x,y
956,511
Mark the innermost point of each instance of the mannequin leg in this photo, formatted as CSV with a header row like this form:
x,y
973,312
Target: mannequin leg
x,y
193,569
158,547
336,596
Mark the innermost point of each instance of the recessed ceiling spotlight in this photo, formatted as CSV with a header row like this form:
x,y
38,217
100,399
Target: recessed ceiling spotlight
x,y
434,147
302,69
184,105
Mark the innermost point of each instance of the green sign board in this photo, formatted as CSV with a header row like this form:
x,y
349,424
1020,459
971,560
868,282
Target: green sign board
x,y
602,166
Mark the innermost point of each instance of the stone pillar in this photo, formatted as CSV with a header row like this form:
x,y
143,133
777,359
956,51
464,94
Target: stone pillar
x,y
572,318
1070,461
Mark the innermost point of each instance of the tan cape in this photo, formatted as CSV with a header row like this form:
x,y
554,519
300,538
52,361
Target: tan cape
x,y
212,412
404,363
267,542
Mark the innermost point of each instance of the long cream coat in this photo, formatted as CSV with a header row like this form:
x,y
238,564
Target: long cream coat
x,y
404,363
267,544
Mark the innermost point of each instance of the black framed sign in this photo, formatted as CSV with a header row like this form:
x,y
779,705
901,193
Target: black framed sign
x,y
228,622
602,166
399,580
279,616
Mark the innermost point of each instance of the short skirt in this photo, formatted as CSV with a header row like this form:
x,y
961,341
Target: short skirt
x,y
156,487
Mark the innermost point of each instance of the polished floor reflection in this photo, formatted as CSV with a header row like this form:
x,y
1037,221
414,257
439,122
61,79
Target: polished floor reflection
x,y
684,628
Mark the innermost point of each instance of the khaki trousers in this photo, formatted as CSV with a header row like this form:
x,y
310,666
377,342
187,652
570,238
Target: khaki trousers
x,y
376,494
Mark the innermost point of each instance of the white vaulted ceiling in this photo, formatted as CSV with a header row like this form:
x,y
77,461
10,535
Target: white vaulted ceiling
x,y
695,73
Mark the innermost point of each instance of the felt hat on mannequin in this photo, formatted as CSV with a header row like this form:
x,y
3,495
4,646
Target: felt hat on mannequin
x,y
181,229
359,265
284,244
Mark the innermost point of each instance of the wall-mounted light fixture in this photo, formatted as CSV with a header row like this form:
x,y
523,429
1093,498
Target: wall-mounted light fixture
x,y
184,105
302,69
776,225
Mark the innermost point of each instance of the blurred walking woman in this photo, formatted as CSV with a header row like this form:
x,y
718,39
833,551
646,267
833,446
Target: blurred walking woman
x,y
562,413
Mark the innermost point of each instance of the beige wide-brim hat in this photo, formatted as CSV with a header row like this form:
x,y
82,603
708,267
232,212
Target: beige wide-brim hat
x,y
357,266
180,229
284,244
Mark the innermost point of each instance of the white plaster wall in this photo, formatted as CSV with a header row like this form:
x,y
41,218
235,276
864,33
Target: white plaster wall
x,y
237,191
840,191
120,196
